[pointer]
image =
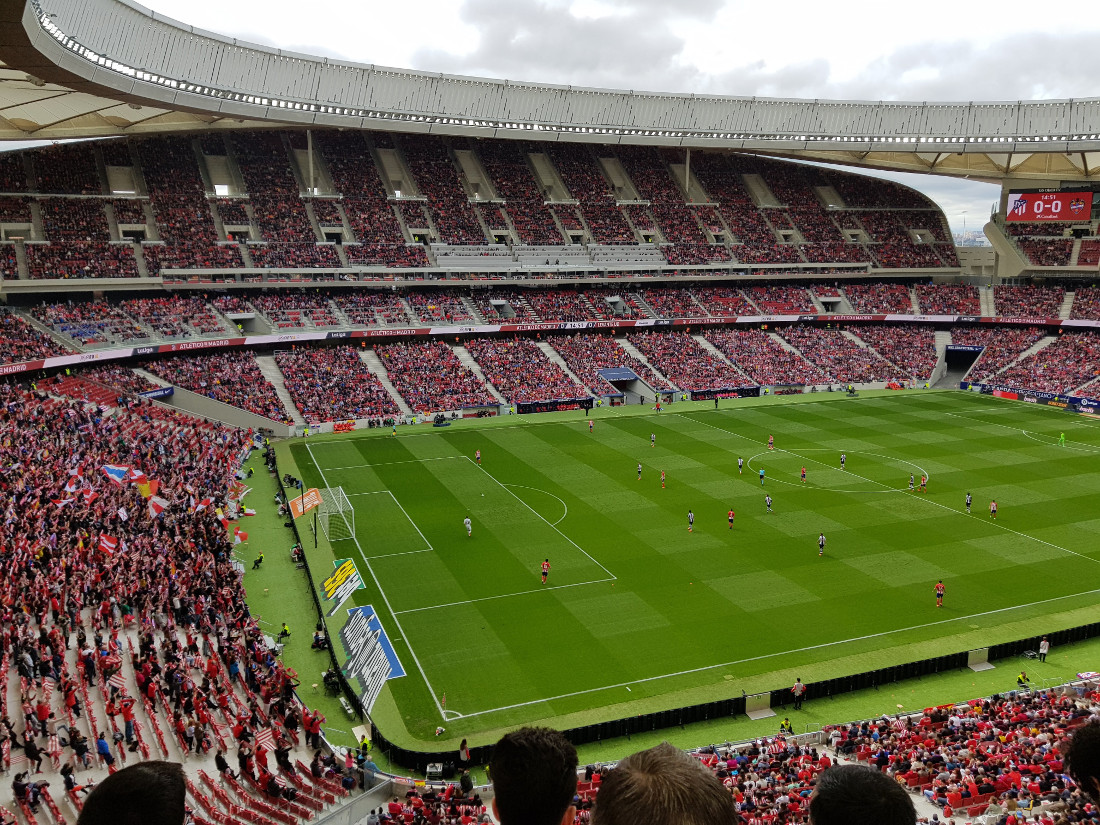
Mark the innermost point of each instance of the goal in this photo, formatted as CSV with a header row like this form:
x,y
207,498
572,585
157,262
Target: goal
x,y
336,515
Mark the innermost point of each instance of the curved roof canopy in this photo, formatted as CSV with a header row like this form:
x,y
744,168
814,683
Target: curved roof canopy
x,y
90,68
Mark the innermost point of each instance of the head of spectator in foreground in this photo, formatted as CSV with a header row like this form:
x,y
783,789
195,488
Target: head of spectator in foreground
x,y
1082,757
146,793
859,795
534,775
663,786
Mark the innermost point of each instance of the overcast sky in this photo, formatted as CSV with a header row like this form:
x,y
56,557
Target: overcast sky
x,y
933,50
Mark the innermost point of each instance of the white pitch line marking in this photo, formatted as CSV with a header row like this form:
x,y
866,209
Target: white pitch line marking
x,y
552,527
537,490
504,596
392,463
925,499
385,599
774,655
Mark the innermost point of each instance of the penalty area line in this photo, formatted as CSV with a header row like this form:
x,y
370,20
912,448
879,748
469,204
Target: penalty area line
x,y
504,596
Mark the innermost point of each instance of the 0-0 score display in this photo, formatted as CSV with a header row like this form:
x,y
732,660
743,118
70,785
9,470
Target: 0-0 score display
x,y
1049,206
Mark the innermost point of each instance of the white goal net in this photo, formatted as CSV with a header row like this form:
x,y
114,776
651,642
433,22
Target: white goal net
x,y
336,515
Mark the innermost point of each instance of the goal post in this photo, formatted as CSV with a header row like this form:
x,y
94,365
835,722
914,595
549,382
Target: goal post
x,y
336,515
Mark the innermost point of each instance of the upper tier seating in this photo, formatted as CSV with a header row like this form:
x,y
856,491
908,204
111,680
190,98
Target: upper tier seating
x,y
757,211
1029,301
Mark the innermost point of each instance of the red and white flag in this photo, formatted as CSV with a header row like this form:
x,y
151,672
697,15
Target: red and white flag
x,y
108,544
117,681
239,535
265,737
157,505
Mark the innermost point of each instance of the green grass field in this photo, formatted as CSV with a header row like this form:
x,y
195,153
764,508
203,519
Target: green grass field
x,y
639,614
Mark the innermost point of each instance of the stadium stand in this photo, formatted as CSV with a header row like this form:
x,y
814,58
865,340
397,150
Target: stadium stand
x,y
230,377
67,170
521,372
90,323
1071,361
910,347
948,299
671,303
167,657
175,317
1089,253
840,358
81,259
430,378
495,305
1028,301
1086,303
1003,345
438,306
685,362
439,180
373,309
13,174
334,385
21,342
791,225
586,184
586,355
506,164
880,298
1046,251
781,300
722,301
758,355
296,310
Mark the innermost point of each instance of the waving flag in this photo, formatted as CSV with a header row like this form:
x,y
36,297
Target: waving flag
x,y
157,505
239,535
90,495
116,472
61,502
266,737
136,476
73,484
108,544
202,505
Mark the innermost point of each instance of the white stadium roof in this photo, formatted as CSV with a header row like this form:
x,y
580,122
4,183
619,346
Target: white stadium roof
x,y
97,68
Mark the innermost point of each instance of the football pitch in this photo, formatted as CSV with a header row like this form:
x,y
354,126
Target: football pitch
x,y
639,614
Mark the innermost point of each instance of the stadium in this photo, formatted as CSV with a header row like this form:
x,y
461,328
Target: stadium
x,y
610,411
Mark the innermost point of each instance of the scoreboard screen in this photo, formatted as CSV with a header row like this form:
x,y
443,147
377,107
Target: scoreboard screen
x,y
1049,206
